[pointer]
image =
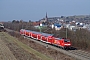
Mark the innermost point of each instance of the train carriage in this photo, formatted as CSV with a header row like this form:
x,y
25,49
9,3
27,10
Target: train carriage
x,y
24,32
46,37
27,33
39,36
30,34
50,39
35,34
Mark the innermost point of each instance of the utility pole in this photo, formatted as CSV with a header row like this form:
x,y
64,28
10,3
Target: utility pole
x,y
66,32
66,29
40,29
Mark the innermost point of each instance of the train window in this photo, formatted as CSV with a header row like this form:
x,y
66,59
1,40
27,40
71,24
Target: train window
x,y
66,40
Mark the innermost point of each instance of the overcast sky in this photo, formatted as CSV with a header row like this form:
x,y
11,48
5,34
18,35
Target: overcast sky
x,y
36,9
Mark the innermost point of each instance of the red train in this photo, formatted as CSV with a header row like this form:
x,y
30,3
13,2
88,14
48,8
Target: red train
x,y
47,38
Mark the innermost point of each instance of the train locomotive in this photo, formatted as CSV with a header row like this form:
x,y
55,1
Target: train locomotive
x,y
47,38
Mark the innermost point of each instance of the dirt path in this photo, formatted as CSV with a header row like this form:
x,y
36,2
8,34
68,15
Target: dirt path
x,y
5,53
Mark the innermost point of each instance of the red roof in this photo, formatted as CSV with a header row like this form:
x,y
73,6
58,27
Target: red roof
x,y
36,23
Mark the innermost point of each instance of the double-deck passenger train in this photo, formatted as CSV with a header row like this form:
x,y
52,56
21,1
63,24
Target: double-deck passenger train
x,y
47,38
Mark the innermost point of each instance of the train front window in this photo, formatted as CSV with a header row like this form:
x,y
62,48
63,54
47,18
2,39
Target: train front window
x,y
66,40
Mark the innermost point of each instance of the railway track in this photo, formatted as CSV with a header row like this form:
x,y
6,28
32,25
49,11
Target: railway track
x,y
79,54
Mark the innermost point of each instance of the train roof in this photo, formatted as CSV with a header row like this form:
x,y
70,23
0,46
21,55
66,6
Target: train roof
x,y
33,31
58,38
45,34
62,39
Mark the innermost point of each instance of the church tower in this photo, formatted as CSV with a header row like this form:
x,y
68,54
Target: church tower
x,y
46,18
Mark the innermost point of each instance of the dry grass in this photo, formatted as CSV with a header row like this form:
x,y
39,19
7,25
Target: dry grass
x,y
13,41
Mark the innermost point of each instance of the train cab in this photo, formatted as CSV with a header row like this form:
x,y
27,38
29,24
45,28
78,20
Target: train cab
x,y
64,43
21,31
67,43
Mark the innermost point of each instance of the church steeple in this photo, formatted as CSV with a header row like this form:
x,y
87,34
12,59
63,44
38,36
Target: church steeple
x,y
46,18
46,14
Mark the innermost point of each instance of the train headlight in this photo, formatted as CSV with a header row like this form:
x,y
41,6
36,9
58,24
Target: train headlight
x,y
67,44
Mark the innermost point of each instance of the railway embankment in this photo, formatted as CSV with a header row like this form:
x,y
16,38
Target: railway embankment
x,y
12,49
76,54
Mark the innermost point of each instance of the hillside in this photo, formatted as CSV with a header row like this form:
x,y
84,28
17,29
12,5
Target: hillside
x,y
11,48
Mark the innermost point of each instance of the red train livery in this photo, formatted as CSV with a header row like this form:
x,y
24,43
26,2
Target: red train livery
x,y
47,38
